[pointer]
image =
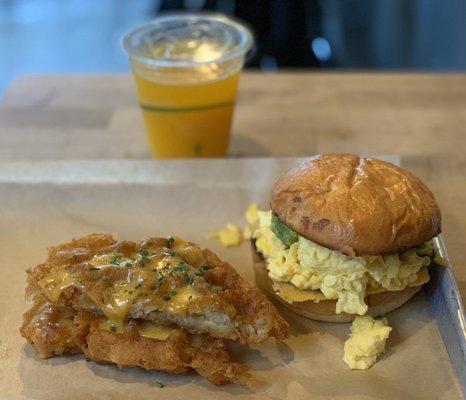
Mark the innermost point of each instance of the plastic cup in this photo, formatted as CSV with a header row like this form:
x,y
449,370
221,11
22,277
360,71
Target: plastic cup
x,y
186,68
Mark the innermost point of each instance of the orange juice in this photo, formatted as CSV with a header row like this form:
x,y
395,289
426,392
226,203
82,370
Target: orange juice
x,y
186,68
187,120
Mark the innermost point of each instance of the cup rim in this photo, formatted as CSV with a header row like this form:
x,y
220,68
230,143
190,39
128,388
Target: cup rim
x,y
242,48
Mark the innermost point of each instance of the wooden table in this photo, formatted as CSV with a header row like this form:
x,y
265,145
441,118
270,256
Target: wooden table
x,y
421,117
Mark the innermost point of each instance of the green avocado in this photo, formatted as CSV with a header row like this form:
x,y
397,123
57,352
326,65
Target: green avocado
x,y
285,234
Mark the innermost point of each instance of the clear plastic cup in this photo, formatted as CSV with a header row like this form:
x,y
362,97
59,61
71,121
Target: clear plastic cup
x,y
186,68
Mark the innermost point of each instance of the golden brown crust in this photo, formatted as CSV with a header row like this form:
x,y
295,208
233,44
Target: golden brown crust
x,y
356,205
55,330
51,331
324,310
246,315
258,318
179,354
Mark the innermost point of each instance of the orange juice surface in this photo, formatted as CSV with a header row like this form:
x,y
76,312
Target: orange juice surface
x,y
187,119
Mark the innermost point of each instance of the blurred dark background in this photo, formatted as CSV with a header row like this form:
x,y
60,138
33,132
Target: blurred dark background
x,y
84,36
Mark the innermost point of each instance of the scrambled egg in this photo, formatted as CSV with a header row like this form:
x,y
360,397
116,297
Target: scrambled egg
x,y
228,236
309,266
252,216
231,235
366,342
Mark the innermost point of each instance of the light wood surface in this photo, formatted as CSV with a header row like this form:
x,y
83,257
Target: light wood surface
x,y
422,117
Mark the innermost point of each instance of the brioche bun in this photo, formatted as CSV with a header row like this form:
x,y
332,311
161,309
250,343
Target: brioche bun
x,y
324,310
356,205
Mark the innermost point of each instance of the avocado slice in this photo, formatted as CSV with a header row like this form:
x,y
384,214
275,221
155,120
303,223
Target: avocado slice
x,y
285,234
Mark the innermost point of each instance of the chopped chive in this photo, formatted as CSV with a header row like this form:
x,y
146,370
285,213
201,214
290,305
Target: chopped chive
x,y
188,280
113,328
201,271
116,258
160,385
143,261
143,252
181,267
167,297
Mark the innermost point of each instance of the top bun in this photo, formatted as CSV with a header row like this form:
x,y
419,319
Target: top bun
x,y
356,205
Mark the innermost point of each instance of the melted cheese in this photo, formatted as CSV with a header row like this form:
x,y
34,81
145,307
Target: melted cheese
x,y
117,303
53,284
146,329
133,278
117,326
180,301
291,293
152,331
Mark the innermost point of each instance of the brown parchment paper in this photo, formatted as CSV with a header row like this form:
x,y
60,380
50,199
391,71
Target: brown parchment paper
x,y
48,203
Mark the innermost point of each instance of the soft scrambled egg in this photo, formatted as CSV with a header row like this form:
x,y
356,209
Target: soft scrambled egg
x,y
231,235
309,266
252,216
228,236
366,342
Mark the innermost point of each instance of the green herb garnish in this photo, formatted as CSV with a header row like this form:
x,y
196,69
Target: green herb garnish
x,y
160,385
116,259
188,280
143,252
283,232
113,328
181,267
167,297
170,253
201,271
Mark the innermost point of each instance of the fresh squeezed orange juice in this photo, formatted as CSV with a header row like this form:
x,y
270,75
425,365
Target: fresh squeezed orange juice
x,y
187,83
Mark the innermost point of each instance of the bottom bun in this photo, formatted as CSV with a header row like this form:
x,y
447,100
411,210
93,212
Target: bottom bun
x,y
324,310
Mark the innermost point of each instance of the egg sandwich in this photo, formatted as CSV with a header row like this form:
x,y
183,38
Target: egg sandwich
x,y
161,304
345,236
